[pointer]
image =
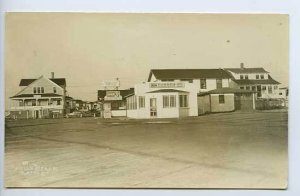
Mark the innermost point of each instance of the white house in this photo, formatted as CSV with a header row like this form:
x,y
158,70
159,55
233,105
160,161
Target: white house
x,y
203,79
40,98
255,79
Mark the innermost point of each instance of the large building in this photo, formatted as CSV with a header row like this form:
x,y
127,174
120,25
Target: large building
x,y
203,79
255,79
40,98
172,93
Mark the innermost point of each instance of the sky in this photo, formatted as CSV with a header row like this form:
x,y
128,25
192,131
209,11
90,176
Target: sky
x,y
88,48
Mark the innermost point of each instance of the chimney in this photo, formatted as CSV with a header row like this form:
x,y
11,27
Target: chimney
x,y
52,75
242,66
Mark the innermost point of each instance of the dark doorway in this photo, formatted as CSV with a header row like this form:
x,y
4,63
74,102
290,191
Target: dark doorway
x,y
36,114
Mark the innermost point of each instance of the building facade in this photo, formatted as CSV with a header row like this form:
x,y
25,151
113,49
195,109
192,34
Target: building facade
x,y
162,100
203,79
114,102
40,98
255,79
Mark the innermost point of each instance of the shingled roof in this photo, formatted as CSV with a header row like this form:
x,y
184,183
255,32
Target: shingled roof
x,y
58,81
270,80
226,91
247,70
172,74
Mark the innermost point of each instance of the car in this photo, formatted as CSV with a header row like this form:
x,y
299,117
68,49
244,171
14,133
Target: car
x,y
74,114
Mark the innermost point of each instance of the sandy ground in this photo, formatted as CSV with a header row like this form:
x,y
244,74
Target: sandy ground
x,y
229,150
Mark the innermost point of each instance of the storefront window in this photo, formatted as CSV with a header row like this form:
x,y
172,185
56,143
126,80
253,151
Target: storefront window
x,y
166,101
172,101
141,102
183,101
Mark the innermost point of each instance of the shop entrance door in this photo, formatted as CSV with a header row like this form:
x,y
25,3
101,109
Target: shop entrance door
x,y
153,107
36,114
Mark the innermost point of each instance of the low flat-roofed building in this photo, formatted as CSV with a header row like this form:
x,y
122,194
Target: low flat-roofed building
x,y
162,100
226,100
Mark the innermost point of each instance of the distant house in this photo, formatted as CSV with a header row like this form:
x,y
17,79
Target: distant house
x,y
204,79
255,79
40,98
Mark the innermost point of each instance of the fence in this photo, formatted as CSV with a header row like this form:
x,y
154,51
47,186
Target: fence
x,y
269,104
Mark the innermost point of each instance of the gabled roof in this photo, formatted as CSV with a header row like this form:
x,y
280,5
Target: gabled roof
x,y
247,70
167,91
123,93
270,80
58,81
225,91
165,74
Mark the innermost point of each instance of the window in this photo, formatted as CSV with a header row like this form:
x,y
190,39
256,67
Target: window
x,y
241,77
221,99
166,101
172,101
183,102
132,103
241,87
247,87
58,102
253,88
34,90
42,89
263,88
33,103
269,89
280,93
141,102
203,83
169,101
257,77
219,83
39,89
54,89
262,76
275,87
246,77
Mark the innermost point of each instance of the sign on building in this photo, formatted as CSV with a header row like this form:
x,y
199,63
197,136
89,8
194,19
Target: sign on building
x,y
112,95
167,85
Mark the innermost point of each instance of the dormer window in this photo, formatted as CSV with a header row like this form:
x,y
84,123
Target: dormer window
x,y
262,76
257,77
54,89
242,77
246,77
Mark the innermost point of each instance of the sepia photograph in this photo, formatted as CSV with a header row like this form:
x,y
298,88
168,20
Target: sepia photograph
x,y
146,100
